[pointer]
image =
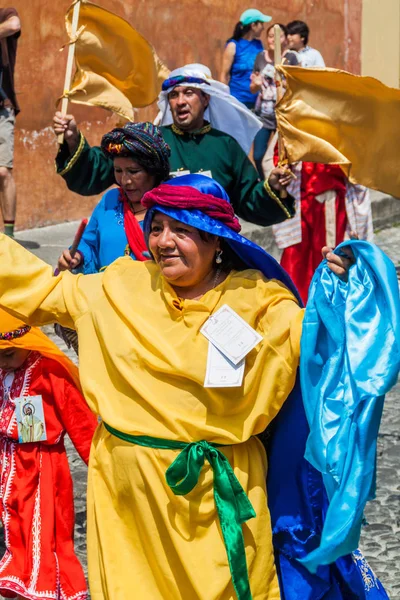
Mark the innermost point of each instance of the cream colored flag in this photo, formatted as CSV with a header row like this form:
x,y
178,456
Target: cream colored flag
x,y
333,117
116,67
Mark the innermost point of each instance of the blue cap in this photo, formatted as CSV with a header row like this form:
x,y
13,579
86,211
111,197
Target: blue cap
x,y
251,15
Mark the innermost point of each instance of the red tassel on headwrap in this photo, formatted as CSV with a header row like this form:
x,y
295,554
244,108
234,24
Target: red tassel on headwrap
x,y
133,230
186,197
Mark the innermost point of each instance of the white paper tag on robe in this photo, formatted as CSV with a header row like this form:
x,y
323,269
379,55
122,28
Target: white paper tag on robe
x,y
220,371
230,334
30,419
179,173
205,173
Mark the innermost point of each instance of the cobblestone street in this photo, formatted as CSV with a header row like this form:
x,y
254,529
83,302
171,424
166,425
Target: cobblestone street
x,y
381,537
380,541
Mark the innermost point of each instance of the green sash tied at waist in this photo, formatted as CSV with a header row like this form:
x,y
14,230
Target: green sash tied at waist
x,y
233,505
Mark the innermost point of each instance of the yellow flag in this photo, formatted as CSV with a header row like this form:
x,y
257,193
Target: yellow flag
x,y
116,67
333,117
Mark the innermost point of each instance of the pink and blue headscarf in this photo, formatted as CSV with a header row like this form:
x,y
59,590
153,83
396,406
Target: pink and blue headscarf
x,y
203,203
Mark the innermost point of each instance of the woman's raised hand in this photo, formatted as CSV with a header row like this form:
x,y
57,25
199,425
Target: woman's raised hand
x,y
66,125
67,263
340,265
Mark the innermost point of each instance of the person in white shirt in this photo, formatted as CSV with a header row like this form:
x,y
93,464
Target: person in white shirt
x,y
298,33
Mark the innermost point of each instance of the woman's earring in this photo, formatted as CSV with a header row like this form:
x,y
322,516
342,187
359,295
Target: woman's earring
x,y
218,257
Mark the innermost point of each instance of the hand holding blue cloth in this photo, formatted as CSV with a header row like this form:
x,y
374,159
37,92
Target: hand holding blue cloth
x,y
350,358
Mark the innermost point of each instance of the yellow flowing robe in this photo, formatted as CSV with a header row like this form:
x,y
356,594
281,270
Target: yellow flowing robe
x,y
142,367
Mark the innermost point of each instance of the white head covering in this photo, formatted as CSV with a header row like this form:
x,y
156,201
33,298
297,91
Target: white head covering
x,y
224,112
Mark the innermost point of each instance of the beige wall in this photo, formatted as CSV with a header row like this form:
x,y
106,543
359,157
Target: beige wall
x,y
380,40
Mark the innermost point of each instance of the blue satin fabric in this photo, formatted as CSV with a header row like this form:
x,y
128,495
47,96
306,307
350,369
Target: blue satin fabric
x,y
350,357
296,495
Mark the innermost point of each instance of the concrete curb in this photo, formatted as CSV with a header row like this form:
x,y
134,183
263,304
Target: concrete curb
x,y
385,213
385,210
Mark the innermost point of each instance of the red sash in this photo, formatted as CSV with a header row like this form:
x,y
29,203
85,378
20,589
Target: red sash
x,y
133,230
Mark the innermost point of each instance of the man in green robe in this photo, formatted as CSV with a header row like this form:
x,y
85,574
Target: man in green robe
x,y
196,147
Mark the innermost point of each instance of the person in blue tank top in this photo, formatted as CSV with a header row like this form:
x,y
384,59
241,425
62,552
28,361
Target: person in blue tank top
x,y
240,53
141,161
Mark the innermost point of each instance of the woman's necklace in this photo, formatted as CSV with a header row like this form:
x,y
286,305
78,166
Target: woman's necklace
x,y
140,215
215,282
138,212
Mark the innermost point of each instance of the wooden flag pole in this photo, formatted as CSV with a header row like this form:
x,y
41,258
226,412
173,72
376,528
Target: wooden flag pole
x,y
70,64
279,90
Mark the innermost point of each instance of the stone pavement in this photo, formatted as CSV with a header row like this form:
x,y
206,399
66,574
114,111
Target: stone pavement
x,y
380,540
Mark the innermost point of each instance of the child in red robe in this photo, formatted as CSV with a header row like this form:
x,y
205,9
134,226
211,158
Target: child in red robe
x,y
40,402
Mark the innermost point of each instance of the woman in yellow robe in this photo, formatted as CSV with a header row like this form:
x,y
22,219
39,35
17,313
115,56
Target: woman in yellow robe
x,y
142,366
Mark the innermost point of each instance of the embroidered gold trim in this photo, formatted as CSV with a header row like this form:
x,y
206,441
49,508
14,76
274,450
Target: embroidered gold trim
x,y
201,131
75,156
367,574
275,197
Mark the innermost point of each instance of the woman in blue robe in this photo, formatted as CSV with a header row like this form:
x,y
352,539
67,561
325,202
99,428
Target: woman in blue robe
x,y
141,162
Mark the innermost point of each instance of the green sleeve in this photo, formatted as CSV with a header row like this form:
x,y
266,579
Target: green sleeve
x,y
249,197
88,171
